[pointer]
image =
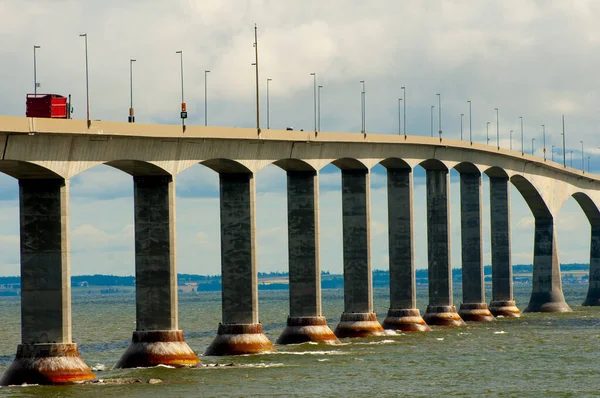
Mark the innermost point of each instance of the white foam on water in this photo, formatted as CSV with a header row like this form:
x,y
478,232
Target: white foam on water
x,y
377,342
309,353
389,332
99,367
500,332
439,338
322,359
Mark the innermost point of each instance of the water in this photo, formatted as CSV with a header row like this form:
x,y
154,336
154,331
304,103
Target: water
x,y
549,354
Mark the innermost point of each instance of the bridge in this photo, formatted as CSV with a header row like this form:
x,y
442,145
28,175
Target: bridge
x,y
44,154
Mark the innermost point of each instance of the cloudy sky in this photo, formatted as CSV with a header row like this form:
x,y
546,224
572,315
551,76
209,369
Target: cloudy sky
x,y
536,59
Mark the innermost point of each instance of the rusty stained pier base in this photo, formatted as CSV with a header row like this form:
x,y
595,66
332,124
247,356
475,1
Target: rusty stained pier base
x,y
158,347
47,364
505,308
475,312
358,325
405,320
443,315
239,339
304,329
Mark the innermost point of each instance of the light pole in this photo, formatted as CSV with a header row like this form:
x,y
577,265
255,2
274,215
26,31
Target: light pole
x,y
563,142
589,164
470,123
571,153
510,134
532,150
522,139
552,153
404,116
461,126
314,75
87,80
319,107
399,116
432,106
544,139
255,63
487,133
35,83
268,109
206,72
362,108
497,128
183,113
440,114
582,155
131,111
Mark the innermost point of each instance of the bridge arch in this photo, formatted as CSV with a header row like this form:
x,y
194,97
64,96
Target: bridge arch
x,y
225,166
293,164
532,197
138,168
20,169
467,168
395,163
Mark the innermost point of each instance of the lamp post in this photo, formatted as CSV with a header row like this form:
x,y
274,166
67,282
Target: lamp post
x,y
362,108
470,123
255,63
206,72
319,108
544,139
314,75
510,135
497,128
131,111
399,116
268,109
582,155
532,149
589,157
552,153
35,83
571,155
183,113
522,139
87,80
432,106
440,114
563,142
404,109
487,133
461,125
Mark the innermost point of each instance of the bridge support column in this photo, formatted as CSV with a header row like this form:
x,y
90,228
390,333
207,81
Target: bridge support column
x,y
593,295
157,339
473,308
240,332
547,294
47,354
403,313
306,322
440,310
358,319
502,303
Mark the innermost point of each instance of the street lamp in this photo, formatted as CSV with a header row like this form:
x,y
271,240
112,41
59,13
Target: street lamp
x,y
582,155
432,106
87,80
522,139
362,107
571,153
440,114
552,153
268,109
314,75
510,134
319,107
487,132
35,83
461,125
404,116
544,138
206,72
532,150
589,157
497,129
399,116
183,113
563,142
470,123
255,63
131,111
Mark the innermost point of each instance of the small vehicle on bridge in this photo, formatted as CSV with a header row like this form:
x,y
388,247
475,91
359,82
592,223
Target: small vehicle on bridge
x,y
48,106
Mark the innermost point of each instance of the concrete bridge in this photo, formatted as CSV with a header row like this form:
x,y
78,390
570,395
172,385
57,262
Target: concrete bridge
x,y
44,154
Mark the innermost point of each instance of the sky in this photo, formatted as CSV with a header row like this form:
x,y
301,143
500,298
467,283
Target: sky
x,y
535,59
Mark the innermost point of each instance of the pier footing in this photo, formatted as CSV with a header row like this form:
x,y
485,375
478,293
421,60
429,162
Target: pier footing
x,y
547,302
405,320
443,315
158,347
358,325
47,364
475,312
239,339
505,308
304,329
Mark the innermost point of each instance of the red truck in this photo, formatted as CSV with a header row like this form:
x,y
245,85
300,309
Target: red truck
x,y
48,105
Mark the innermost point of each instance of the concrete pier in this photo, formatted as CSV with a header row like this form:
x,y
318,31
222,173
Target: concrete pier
x,y
503,303
547,294
593,294
305,322
473,308
47,354
157,339
358,319
240,332
403,313
440,310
